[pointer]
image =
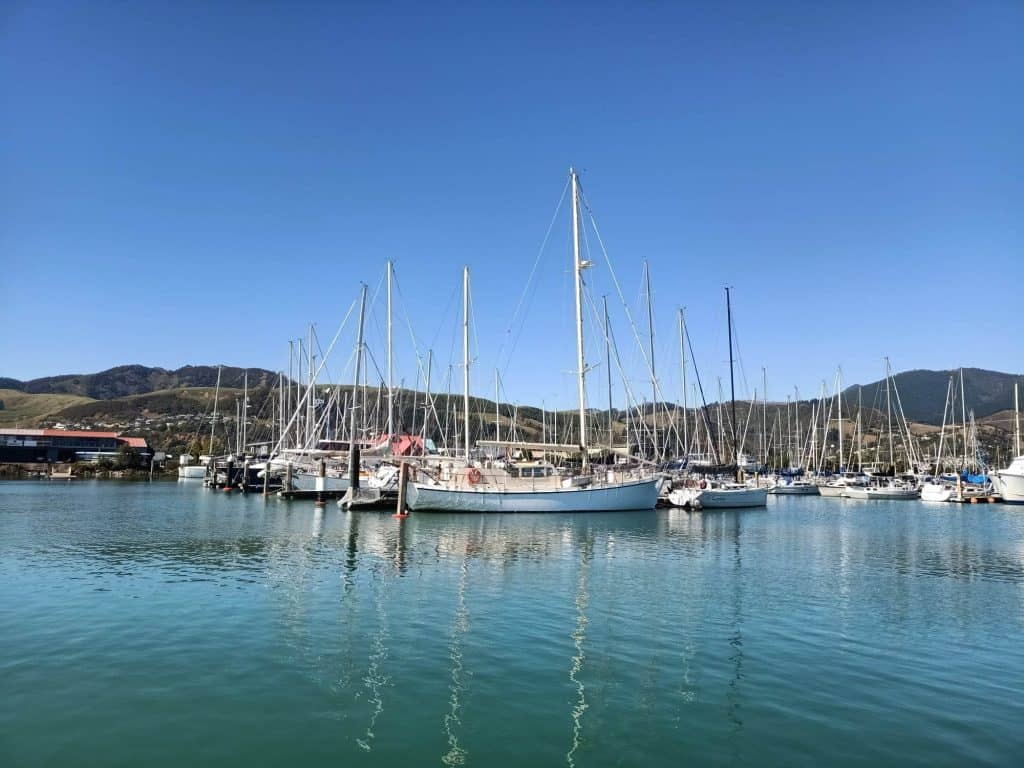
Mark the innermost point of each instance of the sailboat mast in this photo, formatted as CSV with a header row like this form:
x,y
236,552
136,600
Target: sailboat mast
x,y
245,407
839,394
654,378
213,421
353,450
608,365
428,405
963,409
578,266
391,362
764,416
732,377
1016,420
465,358
682,368
497,416
888,410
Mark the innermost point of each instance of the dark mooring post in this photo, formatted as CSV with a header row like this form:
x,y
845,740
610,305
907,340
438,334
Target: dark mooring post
x,y
321,482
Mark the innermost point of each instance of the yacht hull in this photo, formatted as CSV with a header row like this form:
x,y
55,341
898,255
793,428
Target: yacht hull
x,y
882,494
638,495
936,492
1010,486
833,491
729,498
794,490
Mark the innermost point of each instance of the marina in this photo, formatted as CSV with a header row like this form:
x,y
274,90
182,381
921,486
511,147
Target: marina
x,y
504,384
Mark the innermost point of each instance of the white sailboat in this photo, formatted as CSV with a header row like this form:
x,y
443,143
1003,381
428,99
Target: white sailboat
x,y
469,489
1009,482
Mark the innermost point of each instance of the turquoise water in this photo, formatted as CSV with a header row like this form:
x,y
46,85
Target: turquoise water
x,y
167,624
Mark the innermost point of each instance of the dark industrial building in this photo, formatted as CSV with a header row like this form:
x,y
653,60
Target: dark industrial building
x,y
25,446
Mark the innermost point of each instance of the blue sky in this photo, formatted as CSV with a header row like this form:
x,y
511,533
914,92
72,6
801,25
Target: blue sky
x,y
194,183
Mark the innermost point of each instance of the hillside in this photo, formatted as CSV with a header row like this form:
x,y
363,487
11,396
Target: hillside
x,y
923,393
127,380
20,409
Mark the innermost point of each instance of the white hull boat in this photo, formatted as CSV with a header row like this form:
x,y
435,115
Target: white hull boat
x,y
192,472
627,496
937,492
731,497
884,493
799,488
833,490
1009,482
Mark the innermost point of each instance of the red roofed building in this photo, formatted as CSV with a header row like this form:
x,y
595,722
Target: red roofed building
x,y
53,445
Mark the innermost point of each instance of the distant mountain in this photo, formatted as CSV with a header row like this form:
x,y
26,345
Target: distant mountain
x,y
923,393
126,380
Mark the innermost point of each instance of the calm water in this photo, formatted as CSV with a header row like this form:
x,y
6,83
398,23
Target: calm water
x,y
170,625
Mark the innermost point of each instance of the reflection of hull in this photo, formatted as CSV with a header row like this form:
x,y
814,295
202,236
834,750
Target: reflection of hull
x,y
640,494
936,492
796,489
882,494
192,472
729,498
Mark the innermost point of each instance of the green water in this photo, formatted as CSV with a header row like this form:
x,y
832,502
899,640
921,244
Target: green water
x,y
166,624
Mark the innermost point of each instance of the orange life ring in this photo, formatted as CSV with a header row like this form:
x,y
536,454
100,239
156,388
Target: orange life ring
x,y
474,476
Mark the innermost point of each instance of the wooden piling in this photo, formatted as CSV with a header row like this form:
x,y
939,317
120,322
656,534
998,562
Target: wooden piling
x,y
403,481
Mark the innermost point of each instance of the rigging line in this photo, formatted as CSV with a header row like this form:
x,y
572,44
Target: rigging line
x,y
618,287
533,271
703,399
631,402
299,405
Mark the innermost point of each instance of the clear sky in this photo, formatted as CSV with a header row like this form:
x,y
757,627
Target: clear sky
x,y
195,182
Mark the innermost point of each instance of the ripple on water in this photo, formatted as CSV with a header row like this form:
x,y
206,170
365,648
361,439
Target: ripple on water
x,y
181,625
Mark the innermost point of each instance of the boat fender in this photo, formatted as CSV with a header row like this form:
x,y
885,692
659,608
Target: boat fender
x,y
703,484
473,476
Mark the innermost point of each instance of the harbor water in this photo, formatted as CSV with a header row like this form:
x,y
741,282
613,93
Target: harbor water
x,y
167,624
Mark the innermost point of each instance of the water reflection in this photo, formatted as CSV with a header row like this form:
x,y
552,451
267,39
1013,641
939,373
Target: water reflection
x,y
654,627
456,754
579,635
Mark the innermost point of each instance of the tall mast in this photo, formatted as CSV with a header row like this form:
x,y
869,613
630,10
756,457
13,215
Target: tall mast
x,y
497,415
888,409
391,363
465,358
654,378
963,408
839,393
608,365
245,407
353,451
764,416
682,368
732,379
291,375
309,395
1016,421
578,266
427,404
797,437
213,421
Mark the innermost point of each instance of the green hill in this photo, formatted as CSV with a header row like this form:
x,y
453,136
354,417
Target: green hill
x,y
923,393
129,380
